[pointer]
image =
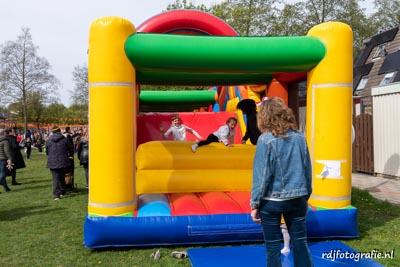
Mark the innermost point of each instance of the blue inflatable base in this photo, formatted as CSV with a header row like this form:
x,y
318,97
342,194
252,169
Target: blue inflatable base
x,y
205,229
329,253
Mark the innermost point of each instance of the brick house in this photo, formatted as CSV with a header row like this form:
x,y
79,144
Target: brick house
x,y
376,94
377,64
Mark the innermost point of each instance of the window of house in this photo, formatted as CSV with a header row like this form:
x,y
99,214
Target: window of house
x,y
380,51
302,90
388,78
363,82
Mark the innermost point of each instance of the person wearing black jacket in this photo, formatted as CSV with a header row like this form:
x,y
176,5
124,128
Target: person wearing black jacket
x,y
83,154
71,169
16,156
249,108
58,149
28,144
5,159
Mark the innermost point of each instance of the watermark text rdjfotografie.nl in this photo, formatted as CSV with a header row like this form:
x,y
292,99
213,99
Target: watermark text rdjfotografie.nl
x,y
336,254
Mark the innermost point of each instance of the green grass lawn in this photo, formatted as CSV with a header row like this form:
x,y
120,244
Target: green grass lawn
x,y
35,230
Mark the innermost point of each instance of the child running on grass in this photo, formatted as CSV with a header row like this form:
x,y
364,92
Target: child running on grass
x,y
225,134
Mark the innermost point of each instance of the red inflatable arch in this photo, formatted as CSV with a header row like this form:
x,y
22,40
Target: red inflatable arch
x,y
201,23
187,22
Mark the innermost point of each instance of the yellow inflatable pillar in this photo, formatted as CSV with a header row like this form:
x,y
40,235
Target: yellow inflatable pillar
x,y
112,119
255,92
329,109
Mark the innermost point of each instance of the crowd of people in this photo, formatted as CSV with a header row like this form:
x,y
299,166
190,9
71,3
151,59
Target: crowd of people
x,y
14,144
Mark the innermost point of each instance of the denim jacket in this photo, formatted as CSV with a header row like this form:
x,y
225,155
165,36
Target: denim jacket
x,y
281,168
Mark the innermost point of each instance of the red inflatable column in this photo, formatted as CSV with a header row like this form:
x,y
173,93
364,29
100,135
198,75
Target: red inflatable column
x,y
277,89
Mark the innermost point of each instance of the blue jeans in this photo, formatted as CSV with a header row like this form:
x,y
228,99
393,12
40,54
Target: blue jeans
x,y
294,212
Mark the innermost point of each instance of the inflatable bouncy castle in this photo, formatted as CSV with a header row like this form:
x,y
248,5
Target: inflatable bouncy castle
x,y
148,191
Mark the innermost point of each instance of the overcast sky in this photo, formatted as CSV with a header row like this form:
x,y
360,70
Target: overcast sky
x,y
61,28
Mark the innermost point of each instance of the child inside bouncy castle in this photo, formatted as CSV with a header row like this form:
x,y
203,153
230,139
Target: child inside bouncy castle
x,y
286,238
225,134
178,130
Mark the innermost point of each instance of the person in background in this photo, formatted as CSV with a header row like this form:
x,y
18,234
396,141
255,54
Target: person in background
x,y
178,130
281,183
71,169
225,134
28,134
16,155
28,144
5,159
68,134
249,108
58,150
83,153
19,138
39,141
78,135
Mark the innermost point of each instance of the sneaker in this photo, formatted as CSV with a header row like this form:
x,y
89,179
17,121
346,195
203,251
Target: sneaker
x,y
179,255
194,147
61,196
156,255
57,198
15,183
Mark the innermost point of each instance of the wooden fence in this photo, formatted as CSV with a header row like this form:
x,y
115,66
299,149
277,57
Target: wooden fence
x,y
363,146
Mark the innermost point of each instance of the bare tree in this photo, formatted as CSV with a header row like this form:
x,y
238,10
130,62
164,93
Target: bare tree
x,y
80,94
387,14
24,74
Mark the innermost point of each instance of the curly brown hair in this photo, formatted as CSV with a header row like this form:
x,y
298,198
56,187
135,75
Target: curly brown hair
x,y
275,117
